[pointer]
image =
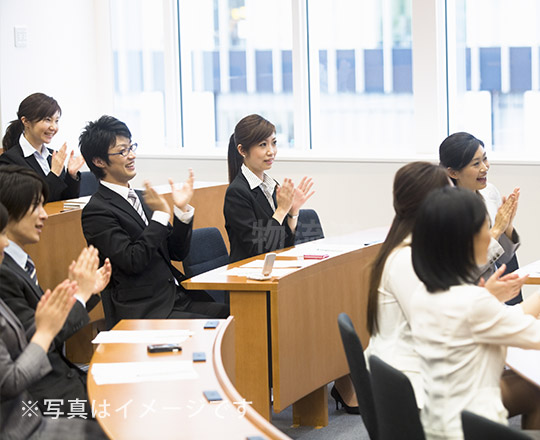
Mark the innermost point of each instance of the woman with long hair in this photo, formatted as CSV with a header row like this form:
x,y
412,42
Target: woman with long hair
x,y
461,330
25,142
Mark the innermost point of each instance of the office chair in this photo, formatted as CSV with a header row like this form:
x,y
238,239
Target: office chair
x,y
309,226
395,404
89,184
476,427
359,373
207,252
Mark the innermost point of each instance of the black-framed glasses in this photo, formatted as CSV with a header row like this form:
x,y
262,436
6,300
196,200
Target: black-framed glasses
x,y
125,151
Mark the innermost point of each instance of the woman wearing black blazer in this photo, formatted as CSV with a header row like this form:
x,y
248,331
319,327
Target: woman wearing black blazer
x,y
260,214
24,145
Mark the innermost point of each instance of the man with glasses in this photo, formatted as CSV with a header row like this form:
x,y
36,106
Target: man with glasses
x,y
134,232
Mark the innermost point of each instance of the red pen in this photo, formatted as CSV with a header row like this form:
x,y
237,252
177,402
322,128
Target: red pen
x,y
315,257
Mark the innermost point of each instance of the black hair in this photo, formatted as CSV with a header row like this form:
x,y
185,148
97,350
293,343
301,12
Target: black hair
x,y
443,238
96,139
248,132
412,183
35,107
21,189
3,217
458,150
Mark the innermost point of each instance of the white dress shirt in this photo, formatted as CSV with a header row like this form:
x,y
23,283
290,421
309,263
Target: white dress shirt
x,y
41,155
393,342
461,337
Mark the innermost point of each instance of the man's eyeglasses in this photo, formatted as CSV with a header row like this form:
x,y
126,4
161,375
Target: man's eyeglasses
x,y
125,151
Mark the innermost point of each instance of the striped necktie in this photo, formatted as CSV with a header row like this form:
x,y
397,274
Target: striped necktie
x,y
30,268
134,200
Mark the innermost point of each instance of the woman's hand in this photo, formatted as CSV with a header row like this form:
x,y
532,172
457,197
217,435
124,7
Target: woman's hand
x,y
510,229
182,196
505,287
52,311
284,199
58,159
505,215
75,163
301,195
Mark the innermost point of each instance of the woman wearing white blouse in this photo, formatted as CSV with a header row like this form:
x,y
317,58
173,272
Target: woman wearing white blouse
x,y
461,331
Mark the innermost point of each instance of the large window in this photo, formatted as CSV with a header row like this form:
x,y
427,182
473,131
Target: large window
x,y
370,78
494,72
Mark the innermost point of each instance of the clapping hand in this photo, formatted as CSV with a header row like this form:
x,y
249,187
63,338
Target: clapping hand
x,y
182,196
155,201
58,159
504,287
75,163
301,194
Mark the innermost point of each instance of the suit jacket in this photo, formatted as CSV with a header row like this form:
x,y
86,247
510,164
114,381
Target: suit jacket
x,y
21,365
142,281
249,223
22,295
60,187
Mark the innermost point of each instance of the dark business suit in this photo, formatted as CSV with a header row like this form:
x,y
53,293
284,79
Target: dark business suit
x,y
142,282
21,365
22,295
60,187
249,223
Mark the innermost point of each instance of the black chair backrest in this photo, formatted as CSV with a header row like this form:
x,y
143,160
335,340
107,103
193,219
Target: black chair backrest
x,y
207,252
309,226
359,373
476,427
395,404
89,184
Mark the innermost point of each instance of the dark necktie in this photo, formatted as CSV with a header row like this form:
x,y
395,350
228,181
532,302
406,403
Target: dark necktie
x,y
30,268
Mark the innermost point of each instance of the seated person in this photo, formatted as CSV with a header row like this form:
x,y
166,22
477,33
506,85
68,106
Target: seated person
x,y
260,215
24,362
22,192
135,234
460,330
24,145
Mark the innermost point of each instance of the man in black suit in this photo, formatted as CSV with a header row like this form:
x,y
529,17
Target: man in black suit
x,y
135,234
22,192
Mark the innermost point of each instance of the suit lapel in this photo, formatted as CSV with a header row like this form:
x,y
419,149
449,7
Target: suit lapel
x,y
262,201
119,202
21,273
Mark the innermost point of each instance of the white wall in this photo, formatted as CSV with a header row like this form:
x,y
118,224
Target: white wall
x,y
60,60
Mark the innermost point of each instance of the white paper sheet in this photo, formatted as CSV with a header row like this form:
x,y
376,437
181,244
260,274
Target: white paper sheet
x,y
133,372
532,269
142,337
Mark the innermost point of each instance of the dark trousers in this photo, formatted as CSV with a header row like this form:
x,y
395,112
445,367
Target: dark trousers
x,y
197,304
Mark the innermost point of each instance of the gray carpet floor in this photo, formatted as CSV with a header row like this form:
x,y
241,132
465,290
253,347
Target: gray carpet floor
x,y
341,426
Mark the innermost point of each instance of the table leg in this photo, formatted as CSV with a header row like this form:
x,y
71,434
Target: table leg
x,y
252,374
312,410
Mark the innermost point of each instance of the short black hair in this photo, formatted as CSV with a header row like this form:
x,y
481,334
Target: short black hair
x,y
96,139
458,150
21,189
443,238
4,216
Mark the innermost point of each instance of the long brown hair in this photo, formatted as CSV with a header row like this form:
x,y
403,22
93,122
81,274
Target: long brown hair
x,y
248,132
412,183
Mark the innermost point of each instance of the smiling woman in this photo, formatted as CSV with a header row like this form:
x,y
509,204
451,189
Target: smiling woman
x,y
466,163
24,145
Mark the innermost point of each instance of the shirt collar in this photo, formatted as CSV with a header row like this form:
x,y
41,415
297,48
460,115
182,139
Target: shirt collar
x,y
28,149
254,181
121,190
16,252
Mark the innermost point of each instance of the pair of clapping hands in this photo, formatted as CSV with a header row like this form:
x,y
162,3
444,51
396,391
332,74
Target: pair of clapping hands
x,y
180,196
58,159
504,220
85,279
